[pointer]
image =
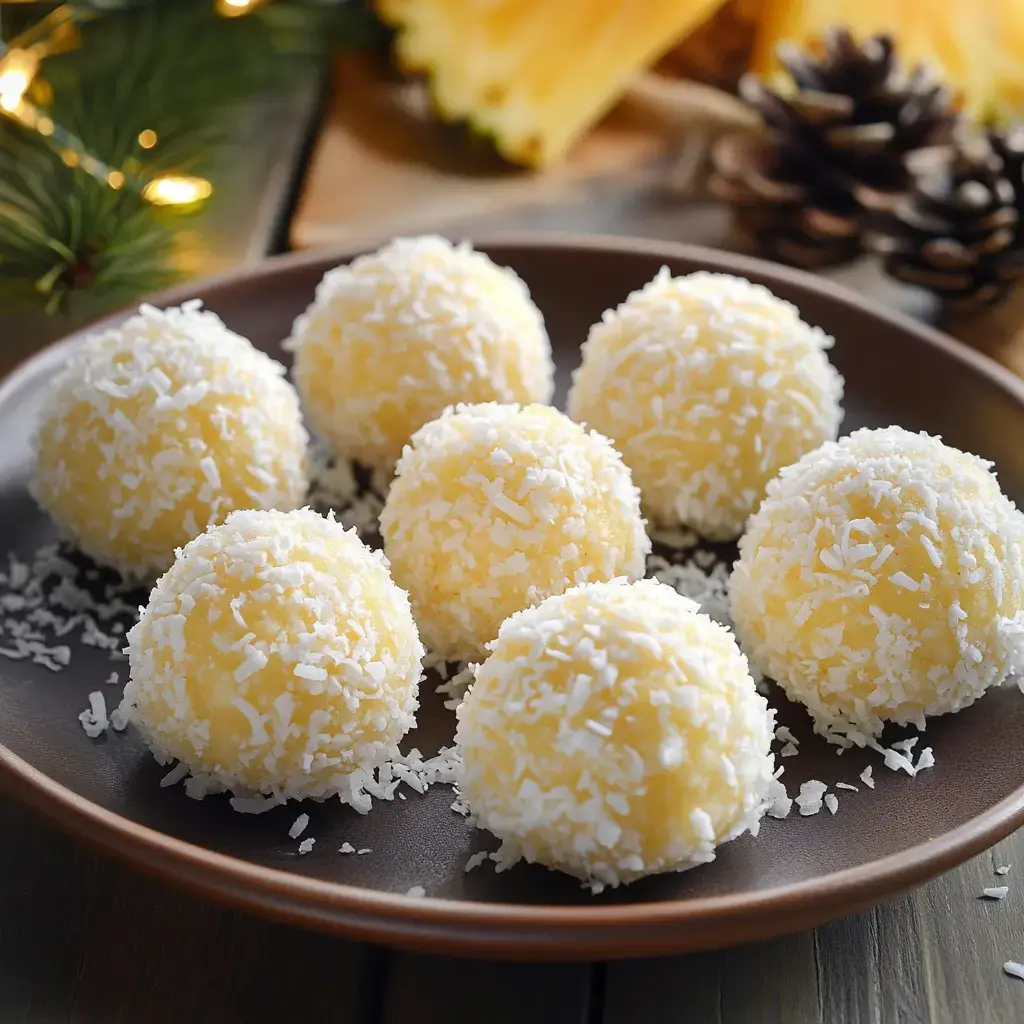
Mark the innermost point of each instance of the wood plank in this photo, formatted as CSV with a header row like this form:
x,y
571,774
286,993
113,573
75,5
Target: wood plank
x,y
152,953
45,890
436,990
933,956
771,982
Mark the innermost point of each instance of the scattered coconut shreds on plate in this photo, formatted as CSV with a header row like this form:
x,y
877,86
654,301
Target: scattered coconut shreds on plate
x,y
416,892
897,761
831,802
1014,969
335,486
789,750
846,785
94,718
455,687
865,777
175,775
112,679
783,735
809,799
1003,869
926,759
905,746
995,892
41,604
306,846
298,826
362,786
475,861
346,848
365,849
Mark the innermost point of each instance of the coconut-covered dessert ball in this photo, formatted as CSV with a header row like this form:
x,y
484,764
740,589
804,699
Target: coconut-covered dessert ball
x,y
276,656
614,732
397,336
881,581
158,428
495,507
708,385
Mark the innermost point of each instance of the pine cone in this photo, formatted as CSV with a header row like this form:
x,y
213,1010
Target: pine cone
x,y
957,231
840,138
1009,145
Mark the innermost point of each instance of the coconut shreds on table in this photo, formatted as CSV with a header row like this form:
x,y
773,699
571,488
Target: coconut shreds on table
x,y
306,845
416,892
831,802
865,777
1003,869
94,719
365,849
346,848
789,750
1014,969
846,785
298,826
995,892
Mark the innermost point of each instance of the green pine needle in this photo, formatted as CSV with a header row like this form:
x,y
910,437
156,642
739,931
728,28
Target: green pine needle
x,y
174,67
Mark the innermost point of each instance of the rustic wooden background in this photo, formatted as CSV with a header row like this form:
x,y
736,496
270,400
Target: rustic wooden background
x,y
85,939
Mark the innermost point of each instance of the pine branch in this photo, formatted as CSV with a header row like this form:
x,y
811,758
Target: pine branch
x,y
173,67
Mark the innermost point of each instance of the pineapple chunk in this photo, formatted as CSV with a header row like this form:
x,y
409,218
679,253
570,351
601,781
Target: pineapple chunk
x,y
535,74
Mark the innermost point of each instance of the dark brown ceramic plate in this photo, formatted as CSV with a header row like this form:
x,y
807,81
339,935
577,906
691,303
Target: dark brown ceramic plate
x,y
797,873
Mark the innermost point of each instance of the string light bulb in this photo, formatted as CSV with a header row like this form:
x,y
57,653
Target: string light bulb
x,y
236,8
18,69
176,190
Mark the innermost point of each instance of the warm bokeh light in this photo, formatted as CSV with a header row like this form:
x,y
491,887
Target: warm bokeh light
x,y
115,179
176,190
17,69
147,138
235,8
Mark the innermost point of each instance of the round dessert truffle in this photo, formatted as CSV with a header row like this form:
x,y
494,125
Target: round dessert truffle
x,y
495,507
276,656
614,732
397,336
881,581
708,385
158,428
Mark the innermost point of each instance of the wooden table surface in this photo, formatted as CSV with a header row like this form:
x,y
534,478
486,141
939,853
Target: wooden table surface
x,y
86,939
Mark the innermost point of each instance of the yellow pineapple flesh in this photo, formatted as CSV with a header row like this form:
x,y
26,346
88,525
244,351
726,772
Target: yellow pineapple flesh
x,y
535,74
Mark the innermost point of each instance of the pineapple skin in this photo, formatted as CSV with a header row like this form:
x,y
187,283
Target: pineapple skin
x,y
534,74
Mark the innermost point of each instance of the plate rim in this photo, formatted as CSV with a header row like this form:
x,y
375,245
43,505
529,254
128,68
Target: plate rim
x,y
480,928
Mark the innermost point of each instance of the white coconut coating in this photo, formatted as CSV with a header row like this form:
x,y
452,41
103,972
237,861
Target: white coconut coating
x,y
495,507
882,580
613,732
397,336
158,428
276,656
708,385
